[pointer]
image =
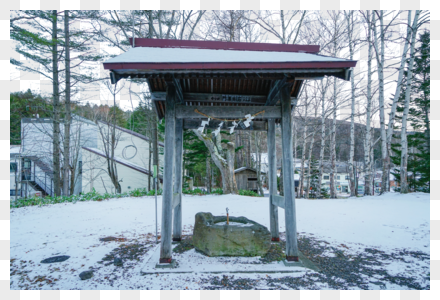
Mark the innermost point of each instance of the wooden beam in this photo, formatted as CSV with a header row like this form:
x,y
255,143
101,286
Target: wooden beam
x,y
177,220
288,175
213,124
228,112
278,200
216,98
272,97
179,91
273,209
168,169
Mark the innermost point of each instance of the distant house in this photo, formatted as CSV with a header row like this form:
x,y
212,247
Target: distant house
x,y
341,177
132,157
87,157
246,178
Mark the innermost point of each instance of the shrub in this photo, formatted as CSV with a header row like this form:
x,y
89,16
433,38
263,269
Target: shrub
x,y
196,191
248,193
90,196
218,191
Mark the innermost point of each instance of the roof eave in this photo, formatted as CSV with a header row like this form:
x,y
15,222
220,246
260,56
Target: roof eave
x,y
228,65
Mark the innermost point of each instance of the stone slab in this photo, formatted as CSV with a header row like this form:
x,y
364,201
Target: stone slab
x,y
214,266
171,265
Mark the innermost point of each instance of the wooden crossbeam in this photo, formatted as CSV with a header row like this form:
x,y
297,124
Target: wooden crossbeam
x,y
278,200
213,124
227,112
216,98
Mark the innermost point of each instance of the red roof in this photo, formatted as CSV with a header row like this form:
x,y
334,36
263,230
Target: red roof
x,y
218,45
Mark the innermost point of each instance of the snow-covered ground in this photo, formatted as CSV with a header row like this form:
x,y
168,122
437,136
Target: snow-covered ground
x,y
389,223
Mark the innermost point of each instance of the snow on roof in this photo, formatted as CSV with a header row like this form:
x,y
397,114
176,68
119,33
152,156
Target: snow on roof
x,y
247,168
14,149
122,161
181,55
141,136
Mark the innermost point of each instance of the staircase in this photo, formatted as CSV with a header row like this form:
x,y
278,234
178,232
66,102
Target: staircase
x,y
41,176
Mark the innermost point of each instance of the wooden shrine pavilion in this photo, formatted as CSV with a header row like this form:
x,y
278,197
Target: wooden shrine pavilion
x,y
190,80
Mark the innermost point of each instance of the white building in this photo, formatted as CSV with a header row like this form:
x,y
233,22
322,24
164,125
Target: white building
x,y
132,157
87,157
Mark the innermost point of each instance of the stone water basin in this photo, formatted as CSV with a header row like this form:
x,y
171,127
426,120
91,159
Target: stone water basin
x,y
242,237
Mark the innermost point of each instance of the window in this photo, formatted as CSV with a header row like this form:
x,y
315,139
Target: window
x,y
13,192
13,167
347,177
327,177
80,167
26,164
252,179
338,177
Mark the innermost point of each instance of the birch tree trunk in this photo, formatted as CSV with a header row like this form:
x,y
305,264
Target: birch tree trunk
x,y
380,59
68,116
226,166
333,145
321,154
403,136
397,92
258,158
309,159
367,145
303,158
350,28
372,166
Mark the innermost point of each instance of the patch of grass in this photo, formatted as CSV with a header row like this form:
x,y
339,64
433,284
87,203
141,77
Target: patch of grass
x,y
184,245
200,192
248,193
217,191
91,196
275,253
196,191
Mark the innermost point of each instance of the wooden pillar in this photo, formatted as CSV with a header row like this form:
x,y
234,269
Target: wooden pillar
x,y
177,220
168,169
288,179
273,209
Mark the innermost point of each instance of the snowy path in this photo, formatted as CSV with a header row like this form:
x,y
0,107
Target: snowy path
x,y
385,223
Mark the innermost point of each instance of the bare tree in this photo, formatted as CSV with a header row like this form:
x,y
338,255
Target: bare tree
x,y
225,165
403,134
289,29
110,138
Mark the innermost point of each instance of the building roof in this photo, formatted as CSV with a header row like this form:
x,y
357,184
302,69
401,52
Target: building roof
x,y
184,58
123,162
247,168
141,136
212,73
14,149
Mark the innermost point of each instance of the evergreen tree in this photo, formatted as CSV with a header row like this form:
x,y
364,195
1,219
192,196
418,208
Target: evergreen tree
x,y
314,178
26,105
418,117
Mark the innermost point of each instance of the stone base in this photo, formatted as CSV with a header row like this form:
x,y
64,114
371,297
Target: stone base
x,y
214,237
292,263
166,266
302,262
